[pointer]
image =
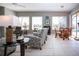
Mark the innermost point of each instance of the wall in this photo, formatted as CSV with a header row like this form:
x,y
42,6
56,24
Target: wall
x,y
5,20
6,11
9,12
7,16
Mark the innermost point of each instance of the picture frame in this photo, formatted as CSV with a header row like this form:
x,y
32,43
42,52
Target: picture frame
x,y
47,20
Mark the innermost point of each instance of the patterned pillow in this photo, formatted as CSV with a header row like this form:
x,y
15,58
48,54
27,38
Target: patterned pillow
x,y
40,35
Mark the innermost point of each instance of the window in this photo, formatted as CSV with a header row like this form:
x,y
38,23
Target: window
x,y
24,22
36,23
59,21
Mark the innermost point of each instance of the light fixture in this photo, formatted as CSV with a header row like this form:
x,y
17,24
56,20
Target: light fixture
x,y
62,6
16,4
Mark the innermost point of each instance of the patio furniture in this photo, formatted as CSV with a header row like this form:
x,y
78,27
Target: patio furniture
x,y
65,34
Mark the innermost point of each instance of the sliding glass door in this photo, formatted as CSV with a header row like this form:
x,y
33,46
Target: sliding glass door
x,y
75,25
78,24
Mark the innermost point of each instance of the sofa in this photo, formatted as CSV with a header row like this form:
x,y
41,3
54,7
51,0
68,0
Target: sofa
x,y
38,41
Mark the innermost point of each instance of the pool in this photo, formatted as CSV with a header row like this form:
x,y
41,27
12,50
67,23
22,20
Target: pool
x,y
75,30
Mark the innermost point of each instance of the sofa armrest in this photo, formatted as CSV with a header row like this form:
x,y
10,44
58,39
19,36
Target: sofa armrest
x,y
33,37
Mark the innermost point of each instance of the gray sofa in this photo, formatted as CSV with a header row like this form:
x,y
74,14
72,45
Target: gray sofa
x,y
38,41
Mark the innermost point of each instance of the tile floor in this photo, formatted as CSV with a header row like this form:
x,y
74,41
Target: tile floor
x,y
53,47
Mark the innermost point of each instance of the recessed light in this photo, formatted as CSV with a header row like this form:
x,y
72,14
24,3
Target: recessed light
x,y
62,6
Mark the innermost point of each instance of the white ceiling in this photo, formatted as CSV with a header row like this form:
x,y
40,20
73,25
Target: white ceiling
x,y
40,6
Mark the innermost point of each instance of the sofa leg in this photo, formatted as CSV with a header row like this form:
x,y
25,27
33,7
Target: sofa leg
x,y
44,42
63,38
40,48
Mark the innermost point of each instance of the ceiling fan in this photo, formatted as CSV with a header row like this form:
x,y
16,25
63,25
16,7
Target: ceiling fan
x,y
17,4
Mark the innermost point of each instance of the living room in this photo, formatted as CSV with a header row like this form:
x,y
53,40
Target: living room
x,y
39,28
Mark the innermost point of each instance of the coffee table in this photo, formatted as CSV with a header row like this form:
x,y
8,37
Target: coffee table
x,y
21,41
